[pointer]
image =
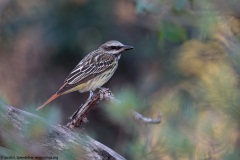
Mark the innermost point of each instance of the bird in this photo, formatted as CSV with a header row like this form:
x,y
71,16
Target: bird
x,y
94,70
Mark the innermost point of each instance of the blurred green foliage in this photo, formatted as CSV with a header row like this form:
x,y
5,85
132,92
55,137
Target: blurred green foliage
x,y
185,64
172,32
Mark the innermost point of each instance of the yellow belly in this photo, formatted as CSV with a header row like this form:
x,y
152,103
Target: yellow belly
x,y
98,81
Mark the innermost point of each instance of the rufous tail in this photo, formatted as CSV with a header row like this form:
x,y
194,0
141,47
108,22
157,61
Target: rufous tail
x,y
49,100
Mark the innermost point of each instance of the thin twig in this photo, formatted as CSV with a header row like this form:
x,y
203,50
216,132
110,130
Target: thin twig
x,y
143,119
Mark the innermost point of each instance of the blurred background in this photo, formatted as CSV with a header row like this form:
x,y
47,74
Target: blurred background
x,y
185,64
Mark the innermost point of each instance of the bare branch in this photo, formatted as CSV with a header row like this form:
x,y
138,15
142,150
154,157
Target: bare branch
x,y
79,116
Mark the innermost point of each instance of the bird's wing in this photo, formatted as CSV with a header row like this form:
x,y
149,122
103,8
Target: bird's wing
x,y
88,68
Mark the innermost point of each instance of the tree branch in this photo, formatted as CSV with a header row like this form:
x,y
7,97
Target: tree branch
x,y
27,130
22,128
79,116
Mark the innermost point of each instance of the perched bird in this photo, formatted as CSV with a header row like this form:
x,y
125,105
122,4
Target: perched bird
x,y
92,71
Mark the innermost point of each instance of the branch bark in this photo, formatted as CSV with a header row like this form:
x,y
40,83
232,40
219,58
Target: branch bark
x,y
24,129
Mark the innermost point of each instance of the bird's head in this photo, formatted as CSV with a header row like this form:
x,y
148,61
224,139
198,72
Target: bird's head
x,y
114,47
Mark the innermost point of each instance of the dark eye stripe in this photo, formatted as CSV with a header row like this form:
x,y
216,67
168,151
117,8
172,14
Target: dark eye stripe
x,y
115,47
108,48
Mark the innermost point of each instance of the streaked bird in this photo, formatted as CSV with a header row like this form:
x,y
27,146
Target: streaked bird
x,y
92,71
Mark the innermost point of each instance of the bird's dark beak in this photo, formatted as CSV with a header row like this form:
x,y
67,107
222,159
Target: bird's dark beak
x,y
126,47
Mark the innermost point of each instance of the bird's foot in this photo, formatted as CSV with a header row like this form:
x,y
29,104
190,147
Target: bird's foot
x,y
91,94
